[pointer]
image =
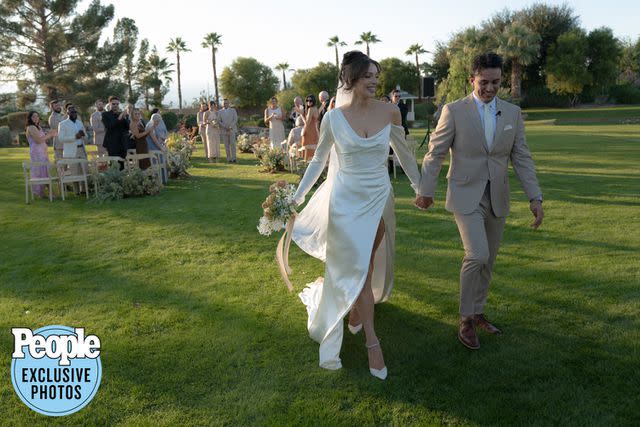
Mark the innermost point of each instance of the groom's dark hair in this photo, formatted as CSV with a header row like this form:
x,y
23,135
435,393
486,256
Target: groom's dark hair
x,y
486,60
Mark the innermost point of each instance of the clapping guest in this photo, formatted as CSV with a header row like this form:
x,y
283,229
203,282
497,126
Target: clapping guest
x,y
38,149
54,120
202,127
154,142
98,127
274,117
213,134
139,134
324,105
72,135
297,106
116,126
310,130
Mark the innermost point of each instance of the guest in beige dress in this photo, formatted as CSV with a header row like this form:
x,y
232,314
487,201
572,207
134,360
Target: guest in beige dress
x,y
274,117
202,127
98,127
212,132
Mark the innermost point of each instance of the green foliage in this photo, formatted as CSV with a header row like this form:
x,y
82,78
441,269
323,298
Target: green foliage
x,y
18,121
439,67
4,120
248,83
519,45
125,32
188,120
61,54
5,136
541,96
630,62
423,110
22,139
323,76
396,72
114,184
604,52
170,119
566,68
271,159
285,98
625,94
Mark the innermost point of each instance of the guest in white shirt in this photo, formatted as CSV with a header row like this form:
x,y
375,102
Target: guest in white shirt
x,y
72,136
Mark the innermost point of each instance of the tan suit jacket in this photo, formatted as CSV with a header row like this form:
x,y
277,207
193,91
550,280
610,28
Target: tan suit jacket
x,y
460,132
98,128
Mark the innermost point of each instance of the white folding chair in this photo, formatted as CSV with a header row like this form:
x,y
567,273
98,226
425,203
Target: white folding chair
x,y
29,181
72,171
162,163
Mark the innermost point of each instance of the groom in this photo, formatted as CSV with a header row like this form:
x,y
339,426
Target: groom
x,y
482,133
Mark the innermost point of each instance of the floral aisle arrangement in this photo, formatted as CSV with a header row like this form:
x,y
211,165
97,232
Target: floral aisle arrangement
x,y
179,151
245,142
114,184
278,208
271,159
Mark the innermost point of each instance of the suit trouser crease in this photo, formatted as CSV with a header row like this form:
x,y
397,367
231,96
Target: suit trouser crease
x,y
481,233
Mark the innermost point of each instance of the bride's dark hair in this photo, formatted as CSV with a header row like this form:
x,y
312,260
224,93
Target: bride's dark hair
x,y
355,65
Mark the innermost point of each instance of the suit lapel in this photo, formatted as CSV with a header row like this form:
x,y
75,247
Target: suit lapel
x,y
474,117
499,124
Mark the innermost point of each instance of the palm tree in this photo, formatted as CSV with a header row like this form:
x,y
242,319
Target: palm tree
x,y
157,74
416,49
213,40
178,45
368,38
283,66
335,42
522,46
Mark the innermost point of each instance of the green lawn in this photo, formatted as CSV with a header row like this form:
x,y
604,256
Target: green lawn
x,y
198,329
587,115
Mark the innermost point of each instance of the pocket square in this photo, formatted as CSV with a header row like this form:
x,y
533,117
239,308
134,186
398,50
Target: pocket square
x,y
507,127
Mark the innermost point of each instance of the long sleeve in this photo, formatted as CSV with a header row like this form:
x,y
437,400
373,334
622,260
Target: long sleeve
x,y
406,158
523,163
439,145
66,133
316,165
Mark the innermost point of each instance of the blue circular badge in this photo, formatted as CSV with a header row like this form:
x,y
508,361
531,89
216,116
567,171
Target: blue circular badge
x,y
58,373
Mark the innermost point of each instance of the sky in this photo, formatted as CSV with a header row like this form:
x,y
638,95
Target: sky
x,y
297,32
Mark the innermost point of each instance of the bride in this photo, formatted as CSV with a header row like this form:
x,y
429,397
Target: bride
x,y
349,222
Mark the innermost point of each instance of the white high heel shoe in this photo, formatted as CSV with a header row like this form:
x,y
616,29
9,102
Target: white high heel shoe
x,y
378,373
354,329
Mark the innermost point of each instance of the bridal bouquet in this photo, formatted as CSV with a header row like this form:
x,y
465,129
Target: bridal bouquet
x,y
278,208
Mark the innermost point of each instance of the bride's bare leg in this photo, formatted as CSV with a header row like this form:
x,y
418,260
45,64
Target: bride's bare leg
x,y
365,308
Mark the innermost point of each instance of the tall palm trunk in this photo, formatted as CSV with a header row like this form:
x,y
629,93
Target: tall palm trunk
x,y
179,83
516,81
418,74
368,49
337,62
284,81
215,74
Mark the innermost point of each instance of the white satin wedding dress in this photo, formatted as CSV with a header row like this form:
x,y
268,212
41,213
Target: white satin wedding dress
x,y
339,224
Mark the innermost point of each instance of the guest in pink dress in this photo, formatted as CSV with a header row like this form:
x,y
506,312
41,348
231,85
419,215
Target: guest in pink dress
x,y
38,149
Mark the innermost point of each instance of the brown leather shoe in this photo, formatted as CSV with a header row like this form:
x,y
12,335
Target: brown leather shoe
x,y
467,333
482,322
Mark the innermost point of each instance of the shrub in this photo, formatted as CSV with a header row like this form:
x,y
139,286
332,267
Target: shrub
x,y
18,121
625,94
178,155
189,121
540,96
21,138
422,111
5,136
114,184
4,121
170,120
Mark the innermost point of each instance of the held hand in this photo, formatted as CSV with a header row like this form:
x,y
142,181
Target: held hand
x,y
537,211
423,203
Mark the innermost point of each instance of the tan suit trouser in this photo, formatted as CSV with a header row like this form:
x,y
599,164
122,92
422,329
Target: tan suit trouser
x,y
229,141
481,232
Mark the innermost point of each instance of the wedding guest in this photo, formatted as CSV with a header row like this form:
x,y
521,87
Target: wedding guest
x,y
98,127
310,131
324,105
202,127
349,222
139,134
116,124
385,99
295,136
228,118
156,143
274,117
212,131
161,129
38,149
72,136
332,103
297,105
404,110
54,120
